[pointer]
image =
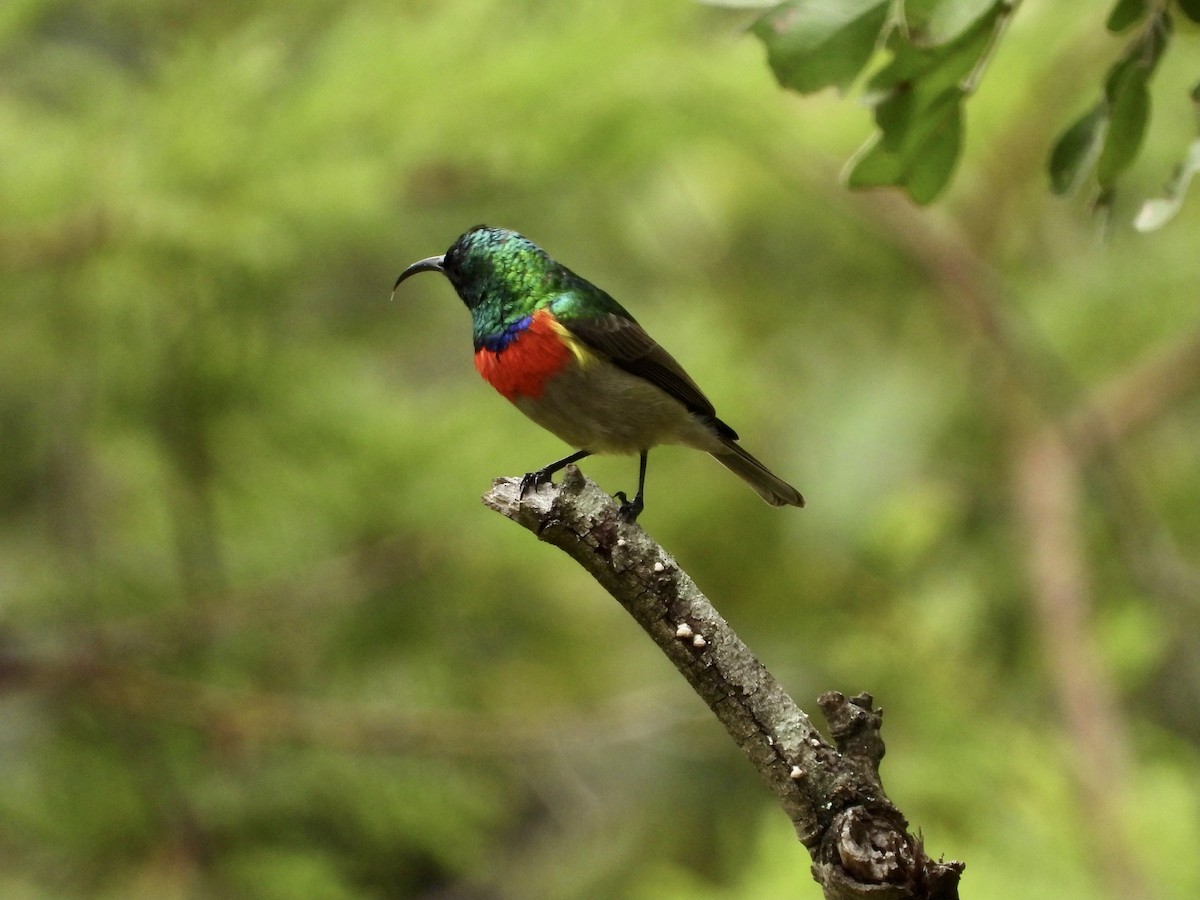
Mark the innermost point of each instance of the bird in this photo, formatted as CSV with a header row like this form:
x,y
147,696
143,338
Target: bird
x,y
575,361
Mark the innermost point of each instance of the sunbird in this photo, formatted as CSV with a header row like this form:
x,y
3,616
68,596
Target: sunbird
x,y
575,361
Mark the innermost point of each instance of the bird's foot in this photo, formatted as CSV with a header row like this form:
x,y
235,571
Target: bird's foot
x,y
533,480
629,509
530,481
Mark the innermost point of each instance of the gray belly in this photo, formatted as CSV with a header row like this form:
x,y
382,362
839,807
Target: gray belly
x,y
607,410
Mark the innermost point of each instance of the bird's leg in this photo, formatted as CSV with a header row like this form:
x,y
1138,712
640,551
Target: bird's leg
x,y
631,510
542,475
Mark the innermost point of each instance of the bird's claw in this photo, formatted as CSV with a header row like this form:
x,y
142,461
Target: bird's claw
x,y
531,481
629,509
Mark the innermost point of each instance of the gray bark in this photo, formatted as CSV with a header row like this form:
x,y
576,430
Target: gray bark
x,y
859,842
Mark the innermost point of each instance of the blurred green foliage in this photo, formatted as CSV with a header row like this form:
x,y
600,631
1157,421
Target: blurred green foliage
x,y
259,639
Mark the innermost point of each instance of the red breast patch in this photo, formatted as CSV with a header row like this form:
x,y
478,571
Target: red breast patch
x,y
523,367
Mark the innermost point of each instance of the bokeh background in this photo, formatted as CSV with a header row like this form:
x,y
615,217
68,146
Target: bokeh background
x,y
258,637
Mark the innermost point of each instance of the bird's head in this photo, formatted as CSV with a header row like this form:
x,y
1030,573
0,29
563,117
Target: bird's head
x,y
489,265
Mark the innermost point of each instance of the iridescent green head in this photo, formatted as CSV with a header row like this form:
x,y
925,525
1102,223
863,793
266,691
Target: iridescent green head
x,y
494,267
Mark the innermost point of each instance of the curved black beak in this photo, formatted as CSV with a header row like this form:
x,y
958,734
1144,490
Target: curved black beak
x,y
431,264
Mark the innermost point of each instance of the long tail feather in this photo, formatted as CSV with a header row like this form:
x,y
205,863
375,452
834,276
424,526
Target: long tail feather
x,y
766,483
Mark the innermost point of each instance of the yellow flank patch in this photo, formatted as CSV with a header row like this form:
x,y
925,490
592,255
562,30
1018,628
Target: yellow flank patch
x,y
582,355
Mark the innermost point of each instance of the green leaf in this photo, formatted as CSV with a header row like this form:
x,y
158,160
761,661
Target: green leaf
x,y
937,68
1158,212
918,100
1126,13
923,160
1076,151
1110,134
1128,101
812,44
894,115
935,22
1190,8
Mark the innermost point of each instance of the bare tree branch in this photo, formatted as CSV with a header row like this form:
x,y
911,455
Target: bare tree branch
x,y
1054,435
1050,504
1136,397
858,840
